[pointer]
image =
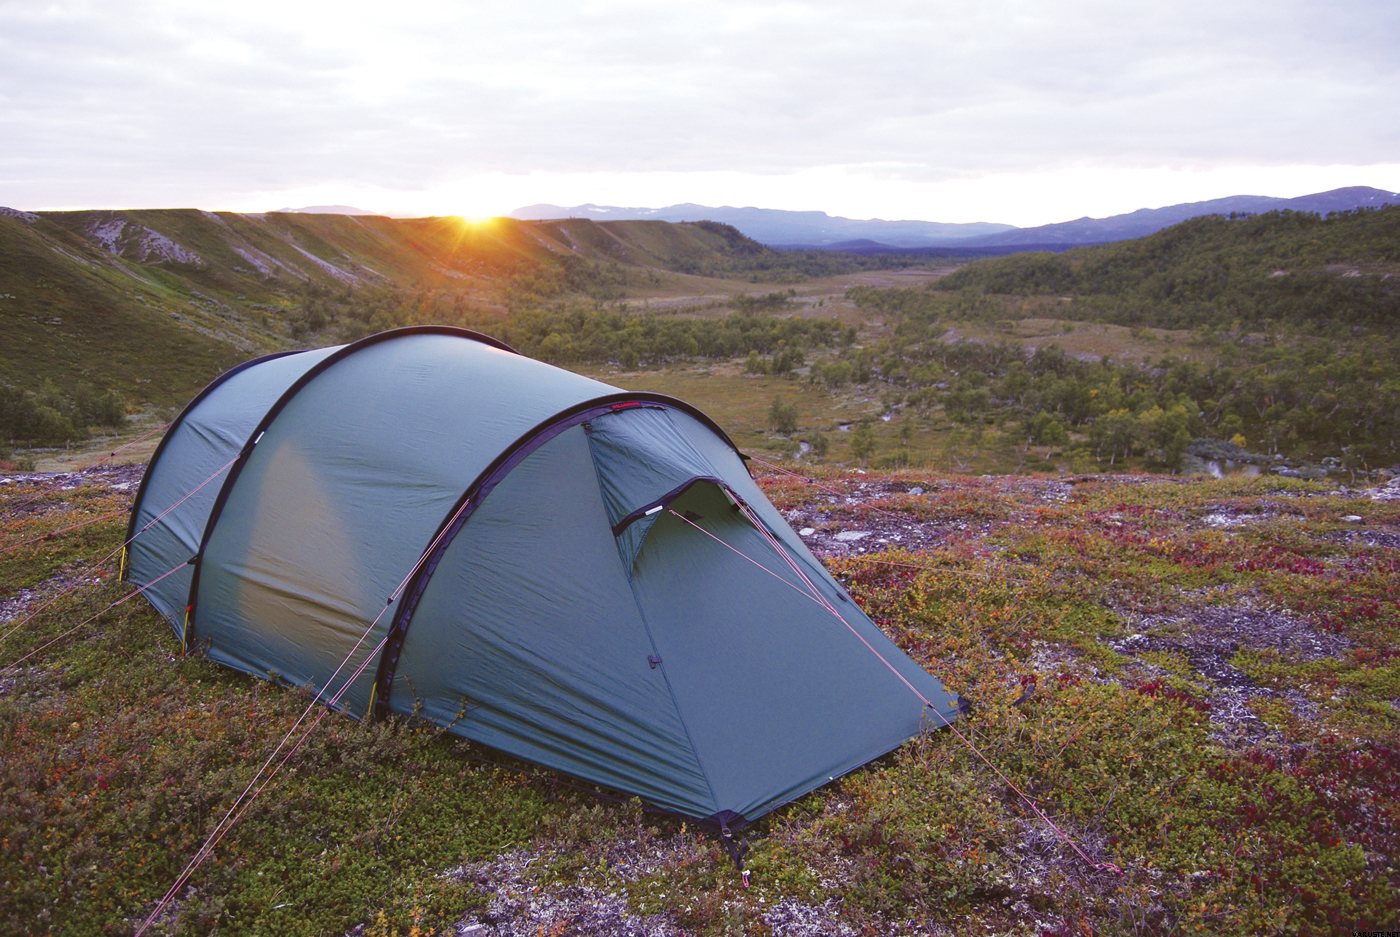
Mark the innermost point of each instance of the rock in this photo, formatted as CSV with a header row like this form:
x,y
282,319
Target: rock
x,y
806,531
916,490
25,216
1390,491
1352,518
848,536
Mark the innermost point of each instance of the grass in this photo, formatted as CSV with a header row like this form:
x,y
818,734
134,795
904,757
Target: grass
x,y
740,402
1090,340
119,754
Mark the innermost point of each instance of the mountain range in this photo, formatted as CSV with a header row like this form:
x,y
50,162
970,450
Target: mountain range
x,y
817,229
775,227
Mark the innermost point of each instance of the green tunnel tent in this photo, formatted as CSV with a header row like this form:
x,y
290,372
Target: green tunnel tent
x,y
582,577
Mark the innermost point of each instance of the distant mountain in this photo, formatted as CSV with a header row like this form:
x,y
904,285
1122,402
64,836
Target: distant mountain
x,y
778,228
1147,221
787,228
329,210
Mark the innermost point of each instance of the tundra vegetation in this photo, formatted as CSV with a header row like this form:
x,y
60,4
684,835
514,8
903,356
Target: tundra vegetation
x,y
1212,707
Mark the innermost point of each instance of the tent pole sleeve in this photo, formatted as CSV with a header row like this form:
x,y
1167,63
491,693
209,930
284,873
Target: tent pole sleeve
x,y
479,489
231,479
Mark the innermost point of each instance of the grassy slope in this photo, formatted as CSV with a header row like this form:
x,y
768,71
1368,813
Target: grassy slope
x,y
1245,778
65,316
158,327
1273,267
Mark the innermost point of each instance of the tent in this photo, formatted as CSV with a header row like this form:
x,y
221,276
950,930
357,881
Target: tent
x,y
582,577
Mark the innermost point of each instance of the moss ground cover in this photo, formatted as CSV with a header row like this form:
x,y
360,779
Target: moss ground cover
x,y
1197,680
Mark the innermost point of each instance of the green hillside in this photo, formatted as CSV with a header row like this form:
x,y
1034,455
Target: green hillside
x,y
154,303
1280,267
68,316
1272,335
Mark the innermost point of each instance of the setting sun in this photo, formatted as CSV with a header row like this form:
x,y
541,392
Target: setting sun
x,y
476,221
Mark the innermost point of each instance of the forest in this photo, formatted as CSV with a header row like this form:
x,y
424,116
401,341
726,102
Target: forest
x,y
1297,311
54,415
1290,318
1286,390
1326,275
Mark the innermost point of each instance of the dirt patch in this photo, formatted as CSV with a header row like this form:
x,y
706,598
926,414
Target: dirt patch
x,y
19,487
790,918
17,606
1390,491
523,902
1209,636
878,515
1385,538
521,907
32,493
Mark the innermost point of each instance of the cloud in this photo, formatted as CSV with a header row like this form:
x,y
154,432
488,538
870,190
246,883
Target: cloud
x,y
156,102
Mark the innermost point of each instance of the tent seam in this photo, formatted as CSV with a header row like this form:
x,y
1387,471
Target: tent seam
x,y
179,423
651,639
482,485
275,410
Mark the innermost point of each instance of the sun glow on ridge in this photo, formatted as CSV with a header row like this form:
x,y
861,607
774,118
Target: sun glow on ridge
x,y
475,220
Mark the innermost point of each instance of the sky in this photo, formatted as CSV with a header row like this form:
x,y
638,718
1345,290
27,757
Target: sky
x,y
1021,112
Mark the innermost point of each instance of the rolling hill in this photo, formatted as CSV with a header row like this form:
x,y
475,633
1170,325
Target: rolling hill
x,y
154,303
1277,266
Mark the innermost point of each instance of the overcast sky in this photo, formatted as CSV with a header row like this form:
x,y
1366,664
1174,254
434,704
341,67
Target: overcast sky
x,y
1015,111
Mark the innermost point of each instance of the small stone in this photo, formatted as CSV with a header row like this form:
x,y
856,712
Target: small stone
x,y
1352,518
916,490
806,531
847,536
